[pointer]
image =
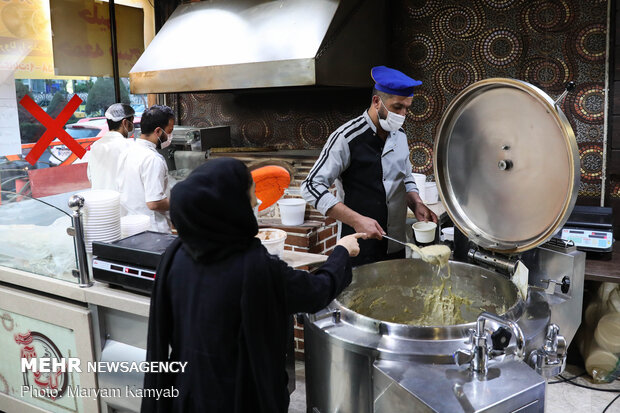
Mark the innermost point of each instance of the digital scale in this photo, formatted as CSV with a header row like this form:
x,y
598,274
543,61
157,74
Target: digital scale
x,y
130,262
590,228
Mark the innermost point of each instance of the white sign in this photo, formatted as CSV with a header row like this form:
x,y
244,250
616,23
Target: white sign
x,y
10,141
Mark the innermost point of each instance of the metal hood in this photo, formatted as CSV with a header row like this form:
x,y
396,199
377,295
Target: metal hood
x,y
240,44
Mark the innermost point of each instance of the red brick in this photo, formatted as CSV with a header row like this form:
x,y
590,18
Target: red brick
x,y
313,238
317,249
300,249
288,248
325,233
330,242
299,344
299,355
297,240
329,221
299,333
297,325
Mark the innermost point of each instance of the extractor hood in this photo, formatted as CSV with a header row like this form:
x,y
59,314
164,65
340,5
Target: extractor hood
x,y
223,45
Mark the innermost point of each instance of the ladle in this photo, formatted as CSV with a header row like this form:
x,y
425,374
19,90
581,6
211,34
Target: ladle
x,y
428,254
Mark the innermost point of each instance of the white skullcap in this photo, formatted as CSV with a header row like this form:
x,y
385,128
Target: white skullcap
x,y
119,111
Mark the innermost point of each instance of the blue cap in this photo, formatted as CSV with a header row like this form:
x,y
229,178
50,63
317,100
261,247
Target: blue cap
x,y
393,82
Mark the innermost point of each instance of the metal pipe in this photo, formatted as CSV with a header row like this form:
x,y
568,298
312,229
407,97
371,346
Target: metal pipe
x,y
76,203
115,70
500,263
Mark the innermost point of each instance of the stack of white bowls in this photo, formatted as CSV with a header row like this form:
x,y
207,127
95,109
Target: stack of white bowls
x,y
134,224
102,216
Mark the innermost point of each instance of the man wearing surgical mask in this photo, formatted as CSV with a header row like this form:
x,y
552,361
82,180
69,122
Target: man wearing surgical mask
x,y
143,173
102,156
368,160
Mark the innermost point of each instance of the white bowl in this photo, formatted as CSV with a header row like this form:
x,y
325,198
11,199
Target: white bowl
x,y
273,239
424,231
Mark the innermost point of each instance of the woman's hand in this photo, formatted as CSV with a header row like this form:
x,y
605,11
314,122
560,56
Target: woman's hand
x,y
351,244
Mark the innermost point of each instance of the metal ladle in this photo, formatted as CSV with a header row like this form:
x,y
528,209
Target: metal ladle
x,y
432,258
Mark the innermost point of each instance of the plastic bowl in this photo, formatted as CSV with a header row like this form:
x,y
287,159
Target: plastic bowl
x,y
424,231
273,239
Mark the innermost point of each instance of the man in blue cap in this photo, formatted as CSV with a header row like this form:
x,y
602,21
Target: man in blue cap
x,y
368,160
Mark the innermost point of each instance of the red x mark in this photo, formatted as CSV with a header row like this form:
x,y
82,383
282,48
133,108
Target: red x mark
x,y
55,128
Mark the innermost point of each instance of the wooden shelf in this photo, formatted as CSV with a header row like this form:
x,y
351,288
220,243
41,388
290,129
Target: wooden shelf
x,y
606,271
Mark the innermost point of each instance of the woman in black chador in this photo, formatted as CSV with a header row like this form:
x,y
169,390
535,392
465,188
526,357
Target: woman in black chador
x,y
222,303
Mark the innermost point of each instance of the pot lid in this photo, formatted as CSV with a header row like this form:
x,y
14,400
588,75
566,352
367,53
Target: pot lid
x,y
507,165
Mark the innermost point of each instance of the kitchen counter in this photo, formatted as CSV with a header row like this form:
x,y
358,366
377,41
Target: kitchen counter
x,y
101,294
302,259
605,271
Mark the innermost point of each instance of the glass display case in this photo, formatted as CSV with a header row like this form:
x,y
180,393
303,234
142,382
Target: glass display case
x,y
34,236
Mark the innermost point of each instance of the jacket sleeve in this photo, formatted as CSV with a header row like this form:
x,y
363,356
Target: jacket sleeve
x,y
309,292
410,185
334,159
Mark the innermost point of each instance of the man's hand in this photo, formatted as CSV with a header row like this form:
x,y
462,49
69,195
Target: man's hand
x,y
351,244
368,226
423,213
359,222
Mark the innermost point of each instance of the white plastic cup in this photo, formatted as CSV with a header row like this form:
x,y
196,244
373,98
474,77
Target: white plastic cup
x,y
292,211
420,182
424,231
448,233
430,193
275,243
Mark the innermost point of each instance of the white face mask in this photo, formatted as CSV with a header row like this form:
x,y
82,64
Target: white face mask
x,y
255,209
130,131
393,120
167,142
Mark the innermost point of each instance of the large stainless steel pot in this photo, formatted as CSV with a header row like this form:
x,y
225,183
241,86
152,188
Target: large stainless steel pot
x,y
341,346
393,293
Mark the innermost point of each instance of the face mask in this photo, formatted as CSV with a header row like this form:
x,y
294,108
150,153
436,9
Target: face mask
x,y
392,122
255,209
166,143
130,131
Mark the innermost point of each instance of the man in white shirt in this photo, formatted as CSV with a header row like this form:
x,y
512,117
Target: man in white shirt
x,y
103,154
142,172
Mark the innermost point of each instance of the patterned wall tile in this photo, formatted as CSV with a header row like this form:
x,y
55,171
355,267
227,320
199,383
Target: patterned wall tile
x,y
452,44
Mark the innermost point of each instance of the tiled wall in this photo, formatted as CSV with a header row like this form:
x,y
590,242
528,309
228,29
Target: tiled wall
x,y
449,44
